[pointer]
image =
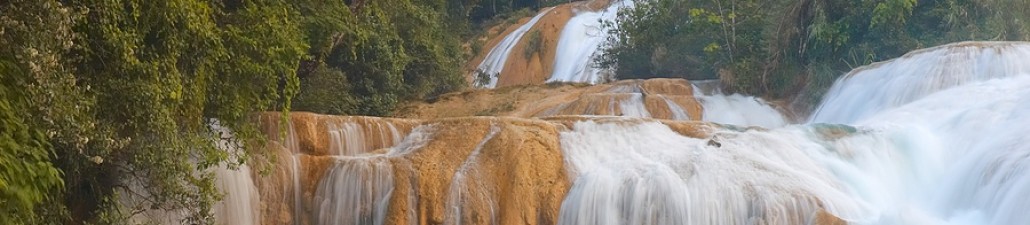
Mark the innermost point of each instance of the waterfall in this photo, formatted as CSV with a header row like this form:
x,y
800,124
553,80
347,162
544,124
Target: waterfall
x,y
737,109
355,191
359,135
881,86
494,62
634,106
961,111
580,42
750,177
240,202
935,137
678,113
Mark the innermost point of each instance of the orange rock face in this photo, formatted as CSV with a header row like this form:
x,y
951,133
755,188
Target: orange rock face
x,y
469,170
653,98
498,170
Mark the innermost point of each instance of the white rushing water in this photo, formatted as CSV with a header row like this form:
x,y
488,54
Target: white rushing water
x,y
357,189
358,135
580,42
952,151
737,109
678,113
735,178
494,62
872,89
240,200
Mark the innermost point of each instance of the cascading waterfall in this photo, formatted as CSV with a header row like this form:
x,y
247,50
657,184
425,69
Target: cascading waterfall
x,y
354,136
634,106
881,86
974,154
293,146
935,137
580,42
240,202
951,151
737,109
964,106
678,113
737,177
355,191
494,62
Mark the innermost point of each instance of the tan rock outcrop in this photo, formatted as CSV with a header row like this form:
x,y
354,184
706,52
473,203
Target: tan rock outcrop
x,y
476,170
512,168
659,98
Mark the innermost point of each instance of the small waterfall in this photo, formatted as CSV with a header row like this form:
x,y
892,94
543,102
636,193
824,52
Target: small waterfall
x,y
677,112
579,44
359,135
240,202
603,104
355,191
871,89
634,106
291,143
494,62
737,109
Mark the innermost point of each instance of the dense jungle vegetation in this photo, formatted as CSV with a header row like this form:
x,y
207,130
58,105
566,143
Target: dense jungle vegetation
x,y
105,100
795,49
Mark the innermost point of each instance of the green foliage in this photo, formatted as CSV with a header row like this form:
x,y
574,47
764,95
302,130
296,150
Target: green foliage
x,y
161,70
483,10
783,49
326,90
38,104
107,104
534,44
388,51
669,38
482,78
27,177
124,92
